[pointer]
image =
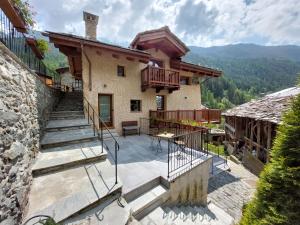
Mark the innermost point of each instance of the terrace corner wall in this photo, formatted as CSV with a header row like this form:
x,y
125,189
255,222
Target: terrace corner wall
x,y
25,103
191,187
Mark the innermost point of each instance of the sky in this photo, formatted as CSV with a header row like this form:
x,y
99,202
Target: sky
x,y
202,23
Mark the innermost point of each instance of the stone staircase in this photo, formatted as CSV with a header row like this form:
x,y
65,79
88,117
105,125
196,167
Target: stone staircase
x,y
147,197
187,215
72,175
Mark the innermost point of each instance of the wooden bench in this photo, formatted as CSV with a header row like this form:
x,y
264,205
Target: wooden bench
x,y
130,125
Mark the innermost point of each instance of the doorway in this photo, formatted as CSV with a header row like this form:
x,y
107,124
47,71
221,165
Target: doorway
x,y
105,105
160,103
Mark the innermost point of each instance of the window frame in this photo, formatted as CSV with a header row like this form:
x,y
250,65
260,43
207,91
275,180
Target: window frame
x,y
186,79
124,71
140,105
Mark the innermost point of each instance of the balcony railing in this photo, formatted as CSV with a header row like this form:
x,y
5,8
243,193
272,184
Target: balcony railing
x,y
202,115
159,78
16,42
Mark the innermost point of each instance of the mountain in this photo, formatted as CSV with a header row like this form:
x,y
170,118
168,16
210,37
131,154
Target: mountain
x,y
248,71
249,51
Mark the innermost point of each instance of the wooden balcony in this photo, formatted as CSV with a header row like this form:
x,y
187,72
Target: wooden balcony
x,y
159,78
201,115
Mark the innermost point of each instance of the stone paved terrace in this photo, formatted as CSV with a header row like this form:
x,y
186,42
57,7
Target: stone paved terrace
x,y
138,163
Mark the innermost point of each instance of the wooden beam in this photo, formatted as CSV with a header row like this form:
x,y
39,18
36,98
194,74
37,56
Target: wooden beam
x,y
269,140
251,135
258,136
130,58
115,56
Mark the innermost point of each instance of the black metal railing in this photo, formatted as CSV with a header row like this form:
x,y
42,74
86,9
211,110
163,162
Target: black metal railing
x,y
185,150
16,42
91,116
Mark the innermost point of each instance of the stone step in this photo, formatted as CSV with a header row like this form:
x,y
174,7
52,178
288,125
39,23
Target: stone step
x,y
61,125
58,159
62,138
135,193
65,117
110,212
74,191
188,215
64,113
146,202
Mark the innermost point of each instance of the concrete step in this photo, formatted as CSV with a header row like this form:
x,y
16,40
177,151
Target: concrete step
x,y
188,215
148,201
62,138
65,117
61,125
141,189
109,212
64,113
57,159
72,192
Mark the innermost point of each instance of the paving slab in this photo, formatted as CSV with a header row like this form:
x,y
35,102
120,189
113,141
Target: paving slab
x,y
60,158
64,193
139,163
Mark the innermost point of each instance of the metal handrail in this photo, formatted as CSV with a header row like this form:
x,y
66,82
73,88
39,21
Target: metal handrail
x,y
102,125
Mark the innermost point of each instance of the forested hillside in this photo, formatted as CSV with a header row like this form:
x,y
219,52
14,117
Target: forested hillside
x,y
249,71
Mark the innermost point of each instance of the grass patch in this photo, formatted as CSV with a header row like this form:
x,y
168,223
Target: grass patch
x,y
217,149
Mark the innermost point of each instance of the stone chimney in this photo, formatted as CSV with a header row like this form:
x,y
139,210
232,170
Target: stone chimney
x,y
91,22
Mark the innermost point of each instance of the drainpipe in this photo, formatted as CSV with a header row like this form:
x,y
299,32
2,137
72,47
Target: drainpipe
x,y
90,66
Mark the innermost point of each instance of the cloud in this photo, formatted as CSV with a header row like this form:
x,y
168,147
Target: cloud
x,y
196,22
195,18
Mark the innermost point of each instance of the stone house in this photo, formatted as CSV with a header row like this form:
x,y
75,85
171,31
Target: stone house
x,y
124,84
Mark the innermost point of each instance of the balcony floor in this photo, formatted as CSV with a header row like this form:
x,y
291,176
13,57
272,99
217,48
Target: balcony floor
x,y
138,162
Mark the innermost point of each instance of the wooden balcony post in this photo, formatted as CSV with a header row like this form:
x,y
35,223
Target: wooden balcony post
x,y
194,114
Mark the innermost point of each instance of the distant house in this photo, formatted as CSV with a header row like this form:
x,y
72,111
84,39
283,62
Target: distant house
x,y
250,128
123,84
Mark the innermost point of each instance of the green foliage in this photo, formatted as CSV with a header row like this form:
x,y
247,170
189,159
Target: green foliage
x,y
217,149
42,45
26,11
54,59
277,200
49,221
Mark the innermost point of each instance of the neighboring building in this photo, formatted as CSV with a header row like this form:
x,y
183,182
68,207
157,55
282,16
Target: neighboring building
x,y
124,84
251,128
68,81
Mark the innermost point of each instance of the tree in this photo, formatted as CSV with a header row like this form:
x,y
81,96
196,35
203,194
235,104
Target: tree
x,y
277,200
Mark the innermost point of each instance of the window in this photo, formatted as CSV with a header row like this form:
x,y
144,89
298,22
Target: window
x,y
121,71
135,106
160,102
184,80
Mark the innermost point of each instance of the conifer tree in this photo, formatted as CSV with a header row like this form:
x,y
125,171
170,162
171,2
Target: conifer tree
x,y
277,199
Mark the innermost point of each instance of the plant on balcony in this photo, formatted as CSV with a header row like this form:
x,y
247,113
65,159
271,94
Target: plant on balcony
x,y
25,11
42,45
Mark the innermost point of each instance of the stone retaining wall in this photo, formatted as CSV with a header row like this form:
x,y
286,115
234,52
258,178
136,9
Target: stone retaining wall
x,y
25,103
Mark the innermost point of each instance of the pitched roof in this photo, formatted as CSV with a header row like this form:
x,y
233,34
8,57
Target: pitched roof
x,y
154,37
77,40
268,108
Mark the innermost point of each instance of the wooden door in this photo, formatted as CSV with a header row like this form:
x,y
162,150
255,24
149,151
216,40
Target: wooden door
x,y
106,108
